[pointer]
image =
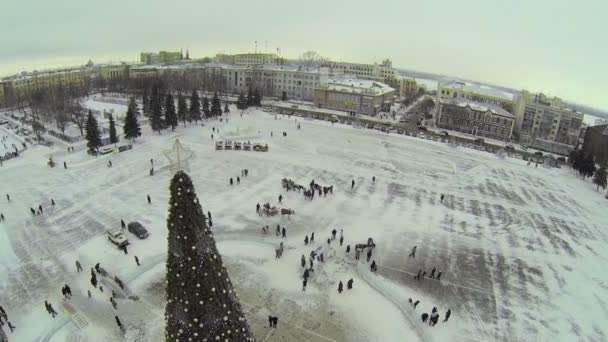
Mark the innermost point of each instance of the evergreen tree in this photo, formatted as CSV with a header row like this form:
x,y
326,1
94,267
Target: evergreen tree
x,y
257,98
216,106
195,106
576,159
201,302
92,133
600,177
113,136
156,115
182,109
250,100
145,102
241,103
206,107
170,116
226,109
588,166
131,127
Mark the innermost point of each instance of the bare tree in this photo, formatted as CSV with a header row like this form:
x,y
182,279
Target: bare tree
x,y
79,118
311,59
62,119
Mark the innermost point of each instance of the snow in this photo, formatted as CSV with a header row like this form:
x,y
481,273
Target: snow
x,y
516,244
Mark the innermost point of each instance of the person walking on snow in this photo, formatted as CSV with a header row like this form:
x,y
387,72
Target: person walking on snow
x,y
33,211
122,224
278,230
284,233
348,249
432,275
10,326
333,234
423,274
352,184
231,181
442,197
280,198
8,197
340,287
52,201
447,315
349,284
136,260
78,266
303,261
425,316
118,322
312,237
304,282
65,165
51,310
1,217
306,240
374,179
374,267
413,253
417,276
149,199
369,254
238,180
40,209
341,240
209,215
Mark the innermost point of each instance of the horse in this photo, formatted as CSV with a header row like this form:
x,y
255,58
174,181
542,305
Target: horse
x,y
287,212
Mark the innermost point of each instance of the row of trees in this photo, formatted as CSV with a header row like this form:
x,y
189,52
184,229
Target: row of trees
x,y
161,110
131,128
585,166
254,98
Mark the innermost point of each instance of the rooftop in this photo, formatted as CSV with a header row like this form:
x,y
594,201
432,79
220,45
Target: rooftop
x,y
480,107
353,85
479,89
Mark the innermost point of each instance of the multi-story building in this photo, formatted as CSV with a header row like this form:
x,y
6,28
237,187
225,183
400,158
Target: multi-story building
x,y
24,84
477,93
249,59
545,123
113,71
382,71
162,57
354,96
480,119
407,87
596,143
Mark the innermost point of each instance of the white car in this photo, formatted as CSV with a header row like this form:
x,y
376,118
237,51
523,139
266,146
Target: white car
x,y
105,150
115,236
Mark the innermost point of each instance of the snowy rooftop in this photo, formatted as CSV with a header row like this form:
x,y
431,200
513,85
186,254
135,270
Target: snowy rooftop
x,y
32,74
481,107
478,89
355,85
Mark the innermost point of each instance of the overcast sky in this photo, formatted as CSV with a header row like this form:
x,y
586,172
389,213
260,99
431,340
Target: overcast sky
x,y
558,46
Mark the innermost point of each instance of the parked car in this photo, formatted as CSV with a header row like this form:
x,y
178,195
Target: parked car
x,y
105,150
538,153
115,236
421,135
422,128
138,230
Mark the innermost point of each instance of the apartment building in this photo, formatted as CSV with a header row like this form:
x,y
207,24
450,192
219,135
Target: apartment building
x,y
480,119
24,84
354,96
476,93
546,123
112,71
376,71
2,98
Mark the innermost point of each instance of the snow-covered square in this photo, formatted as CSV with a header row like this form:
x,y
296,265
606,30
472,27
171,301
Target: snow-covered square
x,y
520,248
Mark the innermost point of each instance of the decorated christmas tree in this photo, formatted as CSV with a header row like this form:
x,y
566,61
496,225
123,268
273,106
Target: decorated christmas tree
x,y
201,303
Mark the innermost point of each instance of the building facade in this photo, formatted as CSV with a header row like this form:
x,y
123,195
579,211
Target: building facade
x,y
354,96
596,143
476,93
248,59
25,84
162,57
375,71
408,87
112,71
475,118
545,123
2,100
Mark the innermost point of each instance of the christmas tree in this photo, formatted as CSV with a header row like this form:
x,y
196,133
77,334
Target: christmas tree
x,y
195,107
206,107
113,136
131,127
201,303
216,106
92,133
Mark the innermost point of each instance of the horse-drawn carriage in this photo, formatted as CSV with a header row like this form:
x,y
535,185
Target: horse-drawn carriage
x,y
219,145
228,145
269,211
260,147
238,145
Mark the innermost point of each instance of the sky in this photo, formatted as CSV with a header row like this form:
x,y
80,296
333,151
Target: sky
x,y
558,46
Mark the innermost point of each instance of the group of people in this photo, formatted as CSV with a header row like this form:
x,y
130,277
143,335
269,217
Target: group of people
x,y
433,275
244,173
66,291
349,285
433,318
40,210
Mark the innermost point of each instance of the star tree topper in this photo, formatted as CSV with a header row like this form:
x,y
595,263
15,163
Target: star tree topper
x,y
178,157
